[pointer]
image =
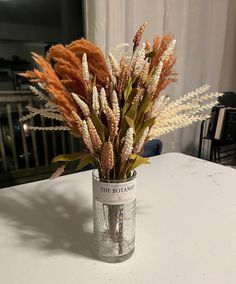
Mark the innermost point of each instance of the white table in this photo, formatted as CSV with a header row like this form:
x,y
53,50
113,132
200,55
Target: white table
x,y
186,228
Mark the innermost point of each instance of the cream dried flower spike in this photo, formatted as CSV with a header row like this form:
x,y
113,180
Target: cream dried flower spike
x,y
116,107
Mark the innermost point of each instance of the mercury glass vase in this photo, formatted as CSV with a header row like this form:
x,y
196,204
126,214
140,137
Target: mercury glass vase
x,y
114,209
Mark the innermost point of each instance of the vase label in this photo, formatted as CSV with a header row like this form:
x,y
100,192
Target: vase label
x,y
114,193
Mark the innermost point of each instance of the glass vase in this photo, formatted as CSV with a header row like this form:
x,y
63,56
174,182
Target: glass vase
x,y
114,209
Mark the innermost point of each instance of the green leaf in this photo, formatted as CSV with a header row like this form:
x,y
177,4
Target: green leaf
x,y
100,127
86,160
128,89
150,54
137,161
144,125
145,106
68,157
132,113
129,121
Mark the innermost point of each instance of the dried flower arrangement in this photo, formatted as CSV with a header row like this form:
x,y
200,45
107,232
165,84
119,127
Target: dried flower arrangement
x,y
113,108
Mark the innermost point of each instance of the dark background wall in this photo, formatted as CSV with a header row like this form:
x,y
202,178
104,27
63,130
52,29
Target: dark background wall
x,y
32,25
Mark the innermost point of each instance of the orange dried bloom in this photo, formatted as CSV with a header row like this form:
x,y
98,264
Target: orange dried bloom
x,y
167,75
68,68
54,86
96,61
107,158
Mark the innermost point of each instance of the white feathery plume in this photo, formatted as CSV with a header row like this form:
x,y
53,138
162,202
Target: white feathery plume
x,y
152,84
103,99
209,96
43,112
50,128
77,118
95,100
192,100
114,65
173,123
191,95
115,106
183,112
86,137
118,51
144,73
138,147
157,107
168,51
128,145
83,106
41,85
39,94
27,116
139,60
49,105
85,70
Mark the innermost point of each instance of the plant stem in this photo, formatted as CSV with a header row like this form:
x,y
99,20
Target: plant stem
x,y
115,219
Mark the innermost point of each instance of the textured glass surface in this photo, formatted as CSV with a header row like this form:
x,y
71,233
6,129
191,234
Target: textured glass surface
x,y
114,230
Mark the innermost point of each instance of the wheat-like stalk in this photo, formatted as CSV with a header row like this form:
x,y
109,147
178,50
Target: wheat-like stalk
x,y
144,74
95,138
138,147
95,100
114,65
128,145
103,99
168,51
86,137
107,158
83,106
112,123
174,123
152,84
115,110
115,106
39,94
85,70
138,35
50,128
138,60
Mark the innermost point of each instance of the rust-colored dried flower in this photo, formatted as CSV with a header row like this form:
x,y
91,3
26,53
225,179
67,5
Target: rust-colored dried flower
x,y
122,80
144,74
138,35
122,106
107,158
96,61
112,123
52,84
138,96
